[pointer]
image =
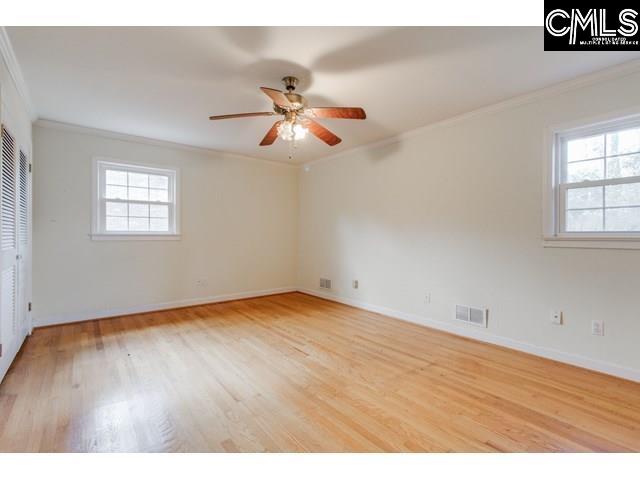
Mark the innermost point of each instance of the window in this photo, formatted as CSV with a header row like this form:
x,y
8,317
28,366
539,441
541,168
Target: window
x,y
595,182
133,201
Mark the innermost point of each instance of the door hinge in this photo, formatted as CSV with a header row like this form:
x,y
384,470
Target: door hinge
x,y
0,349
29,306
29,168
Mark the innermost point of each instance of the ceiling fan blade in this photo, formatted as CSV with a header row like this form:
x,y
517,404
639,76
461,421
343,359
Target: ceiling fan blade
x,y
271,135
242,115
277,96
322,133
355,113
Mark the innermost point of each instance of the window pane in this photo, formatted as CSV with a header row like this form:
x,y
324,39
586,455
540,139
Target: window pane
x,y
622,195
114,177
116,209
589,170
138,194
625,141
138,210
624,166
159,225
116,224
138,224
159,181
136,200
623,219
138,180
584,197
158,195
584,220
159,211
115,192
584,148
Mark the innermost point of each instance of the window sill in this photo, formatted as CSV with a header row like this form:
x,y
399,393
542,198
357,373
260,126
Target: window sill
x,y
621,243
133,236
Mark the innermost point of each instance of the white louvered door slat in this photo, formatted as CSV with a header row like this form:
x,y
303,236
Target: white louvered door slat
x,y
8,239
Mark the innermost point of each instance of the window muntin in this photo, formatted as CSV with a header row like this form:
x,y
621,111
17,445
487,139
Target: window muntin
x,y
599,181
135,200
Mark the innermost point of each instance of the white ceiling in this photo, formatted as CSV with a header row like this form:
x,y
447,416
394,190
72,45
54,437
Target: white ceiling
x,y
163,83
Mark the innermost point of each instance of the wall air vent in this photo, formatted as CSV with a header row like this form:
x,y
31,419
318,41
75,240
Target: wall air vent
x,y
472,315
325,283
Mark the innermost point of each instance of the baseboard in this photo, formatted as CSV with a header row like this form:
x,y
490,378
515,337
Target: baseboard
x,y
485,336
116,312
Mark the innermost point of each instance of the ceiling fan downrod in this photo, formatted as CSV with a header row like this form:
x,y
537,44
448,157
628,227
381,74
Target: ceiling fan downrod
x,y
290,83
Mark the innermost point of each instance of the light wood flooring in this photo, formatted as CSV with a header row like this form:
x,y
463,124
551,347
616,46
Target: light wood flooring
x,y
296,373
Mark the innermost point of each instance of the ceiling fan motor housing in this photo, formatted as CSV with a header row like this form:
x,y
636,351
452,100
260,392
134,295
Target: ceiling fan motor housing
x,y
298,102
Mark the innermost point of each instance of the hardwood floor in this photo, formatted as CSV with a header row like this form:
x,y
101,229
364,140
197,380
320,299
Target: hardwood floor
x,y
293,372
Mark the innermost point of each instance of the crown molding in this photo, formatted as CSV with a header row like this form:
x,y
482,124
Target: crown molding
x,y
125,137
7,53
600,76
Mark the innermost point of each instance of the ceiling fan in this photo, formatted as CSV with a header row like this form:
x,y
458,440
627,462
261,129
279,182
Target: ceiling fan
x,y
298,116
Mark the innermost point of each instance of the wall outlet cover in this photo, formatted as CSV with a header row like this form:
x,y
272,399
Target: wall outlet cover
x,y
597,328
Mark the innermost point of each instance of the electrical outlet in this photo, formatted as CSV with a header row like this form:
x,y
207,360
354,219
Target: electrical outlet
x,y
355,284
556,317
597,328
202,282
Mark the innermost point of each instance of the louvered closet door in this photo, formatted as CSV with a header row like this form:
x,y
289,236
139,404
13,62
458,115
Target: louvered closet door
x,y
23,238
8,240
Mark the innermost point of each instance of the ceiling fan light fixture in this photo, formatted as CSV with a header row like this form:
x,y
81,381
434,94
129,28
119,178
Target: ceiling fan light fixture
x,y
289,130
299,131
285,131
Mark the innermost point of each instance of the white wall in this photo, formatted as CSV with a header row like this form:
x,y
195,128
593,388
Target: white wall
x,y
456,211
15,116
238,222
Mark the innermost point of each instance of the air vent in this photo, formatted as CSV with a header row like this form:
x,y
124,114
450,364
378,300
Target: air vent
x,y
325,283
472,315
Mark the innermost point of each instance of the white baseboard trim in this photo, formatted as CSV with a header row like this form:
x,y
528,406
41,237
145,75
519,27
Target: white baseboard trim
x,y
485,336
116,312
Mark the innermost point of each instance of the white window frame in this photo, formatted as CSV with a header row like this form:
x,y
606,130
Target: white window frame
x,y
98,230
554,191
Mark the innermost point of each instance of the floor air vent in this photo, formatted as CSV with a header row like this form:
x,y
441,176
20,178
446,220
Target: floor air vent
x,y
325,283
472,315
